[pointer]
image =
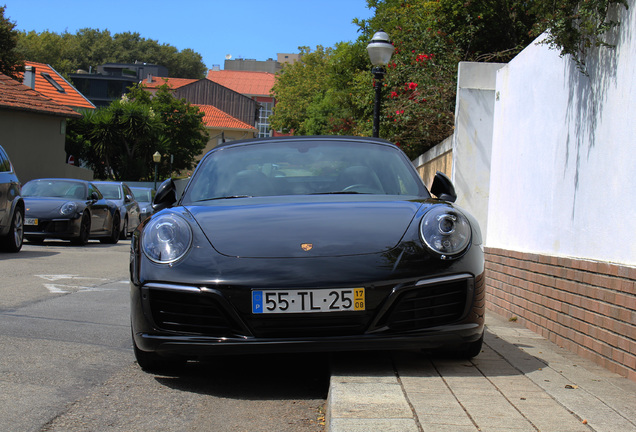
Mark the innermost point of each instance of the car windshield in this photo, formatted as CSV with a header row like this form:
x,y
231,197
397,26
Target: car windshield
x,y
141,194
110,191
303,168
54,189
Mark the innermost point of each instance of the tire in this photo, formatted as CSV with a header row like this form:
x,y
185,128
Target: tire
x,y
114,233
123,235
471,349
85,231
152,362
15,237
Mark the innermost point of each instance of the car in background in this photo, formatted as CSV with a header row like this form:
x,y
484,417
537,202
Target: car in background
x,y
11,207
120,194
305,244
144,197
68,209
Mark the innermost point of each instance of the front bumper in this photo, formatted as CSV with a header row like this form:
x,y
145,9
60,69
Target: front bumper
x,y
196,346
53,228
428,313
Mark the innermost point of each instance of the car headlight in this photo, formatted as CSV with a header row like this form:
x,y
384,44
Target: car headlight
x,y
166,239
68,208
445,231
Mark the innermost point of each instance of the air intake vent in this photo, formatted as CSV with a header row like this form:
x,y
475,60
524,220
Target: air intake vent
x,y
190,313
428,306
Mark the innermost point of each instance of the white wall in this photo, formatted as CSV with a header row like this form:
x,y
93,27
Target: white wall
x,y
472,139
563,172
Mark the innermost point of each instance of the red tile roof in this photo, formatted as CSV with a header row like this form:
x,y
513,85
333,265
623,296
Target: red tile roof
x,y
217,119
16,96
245,82
173,83
69,96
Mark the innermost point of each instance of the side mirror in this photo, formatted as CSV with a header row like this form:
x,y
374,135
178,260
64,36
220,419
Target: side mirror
x,y
94,196
128,198
166,195
443,188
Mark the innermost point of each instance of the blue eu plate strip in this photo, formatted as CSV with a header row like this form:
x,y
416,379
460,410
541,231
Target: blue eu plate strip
x,y
257,302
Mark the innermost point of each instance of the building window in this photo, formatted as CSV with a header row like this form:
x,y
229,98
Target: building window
x,y
54,83
263,118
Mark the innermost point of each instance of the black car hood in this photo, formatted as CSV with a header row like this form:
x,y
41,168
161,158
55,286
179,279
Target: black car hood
x,y
46,207
310,229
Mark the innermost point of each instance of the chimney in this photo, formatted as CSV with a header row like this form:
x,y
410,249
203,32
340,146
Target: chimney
x,y
29,76
149,78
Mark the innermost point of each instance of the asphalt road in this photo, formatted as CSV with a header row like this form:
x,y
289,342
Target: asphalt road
x,y
66,359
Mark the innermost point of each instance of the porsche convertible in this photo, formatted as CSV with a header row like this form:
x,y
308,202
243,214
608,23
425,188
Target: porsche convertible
x,y
68,209
305,244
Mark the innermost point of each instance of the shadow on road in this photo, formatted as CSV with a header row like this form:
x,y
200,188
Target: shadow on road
x,y
254,377
27,254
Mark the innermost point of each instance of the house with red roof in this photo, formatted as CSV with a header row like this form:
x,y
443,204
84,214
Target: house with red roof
x,y
49,83
228,115
253,84
34,132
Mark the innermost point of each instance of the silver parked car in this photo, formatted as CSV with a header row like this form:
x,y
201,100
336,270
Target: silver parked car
x,y
11,207
144,197
120,194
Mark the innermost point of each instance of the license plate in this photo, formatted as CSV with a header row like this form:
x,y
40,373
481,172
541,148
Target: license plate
x,y
308,301
30,221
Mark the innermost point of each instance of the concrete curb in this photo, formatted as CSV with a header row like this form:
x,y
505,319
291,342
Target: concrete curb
x,y
520,382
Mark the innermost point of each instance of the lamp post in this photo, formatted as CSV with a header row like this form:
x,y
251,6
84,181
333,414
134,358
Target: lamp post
x,y
156,158
380,51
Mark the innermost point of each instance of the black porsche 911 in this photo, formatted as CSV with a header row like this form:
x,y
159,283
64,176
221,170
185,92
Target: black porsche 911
x,y
68,209
305,244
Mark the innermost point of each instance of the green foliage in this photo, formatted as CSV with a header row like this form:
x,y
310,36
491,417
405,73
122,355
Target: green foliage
x,y
575,26
11,62
330,91
89,48
118,141
324,93
297,88
430,39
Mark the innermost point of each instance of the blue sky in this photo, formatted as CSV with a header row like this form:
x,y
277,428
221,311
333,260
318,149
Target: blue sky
x,y
249,29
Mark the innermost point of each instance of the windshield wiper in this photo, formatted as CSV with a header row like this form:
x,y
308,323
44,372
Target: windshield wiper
x,y
225,197
338,193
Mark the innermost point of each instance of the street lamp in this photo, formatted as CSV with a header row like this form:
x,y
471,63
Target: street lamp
x,y
380,50
156,158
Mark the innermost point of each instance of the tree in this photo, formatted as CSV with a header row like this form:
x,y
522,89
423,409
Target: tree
x,y
296,88
118,141
184,135
323,93
11,62
89,48
575,26
430,39
330,91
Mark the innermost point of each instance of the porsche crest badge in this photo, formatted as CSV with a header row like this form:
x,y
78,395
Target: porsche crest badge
x,y
306,246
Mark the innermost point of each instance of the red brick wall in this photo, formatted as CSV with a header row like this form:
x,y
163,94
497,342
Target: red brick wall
x,y
587,307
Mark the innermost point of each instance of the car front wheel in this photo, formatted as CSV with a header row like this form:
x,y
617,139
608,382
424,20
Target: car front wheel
x,y
85,231
114,233
15,237
124,232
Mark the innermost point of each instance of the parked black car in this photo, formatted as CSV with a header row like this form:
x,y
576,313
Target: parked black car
x,y
11,207
68,209
120,194
305,244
